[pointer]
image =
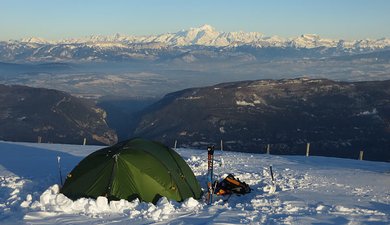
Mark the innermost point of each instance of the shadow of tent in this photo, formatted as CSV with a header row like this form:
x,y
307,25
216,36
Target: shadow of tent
x,y
35,163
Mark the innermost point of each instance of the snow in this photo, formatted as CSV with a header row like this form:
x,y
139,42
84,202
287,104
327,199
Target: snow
x,y
244,103
309,190
367,113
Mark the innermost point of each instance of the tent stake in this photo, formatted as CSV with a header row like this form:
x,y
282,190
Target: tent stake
x,y
272,174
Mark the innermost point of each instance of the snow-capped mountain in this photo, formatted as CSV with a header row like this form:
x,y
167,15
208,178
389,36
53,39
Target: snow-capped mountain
x,y
205,35
122,47
208,36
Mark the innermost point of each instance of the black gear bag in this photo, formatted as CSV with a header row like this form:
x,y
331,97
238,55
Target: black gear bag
x,y
231,185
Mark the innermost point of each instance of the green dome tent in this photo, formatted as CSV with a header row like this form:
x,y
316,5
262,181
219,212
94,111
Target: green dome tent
x,y
133,169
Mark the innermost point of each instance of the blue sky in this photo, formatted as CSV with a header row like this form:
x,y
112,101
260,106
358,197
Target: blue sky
x,y
58,19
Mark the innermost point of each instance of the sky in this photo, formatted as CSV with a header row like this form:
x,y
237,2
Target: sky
x,y
61,19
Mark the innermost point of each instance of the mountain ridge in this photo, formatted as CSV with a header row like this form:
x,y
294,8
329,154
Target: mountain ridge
x,y
208,36
56,116
155,47
337,118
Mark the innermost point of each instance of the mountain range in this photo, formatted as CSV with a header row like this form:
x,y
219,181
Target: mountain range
x,y
338,118
172,45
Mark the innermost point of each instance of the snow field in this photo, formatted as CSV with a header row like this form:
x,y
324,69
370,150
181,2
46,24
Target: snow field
x,y
308,190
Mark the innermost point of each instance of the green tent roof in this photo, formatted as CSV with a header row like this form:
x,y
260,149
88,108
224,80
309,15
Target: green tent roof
x,y
133,169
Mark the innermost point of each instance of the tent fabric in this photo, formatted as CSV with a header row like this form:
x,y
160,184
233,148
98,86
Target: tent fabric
x,y
132,169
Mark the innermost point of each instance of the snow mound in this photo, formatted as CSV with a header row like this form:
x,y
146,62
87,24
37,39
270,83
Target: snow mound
x,y
53,201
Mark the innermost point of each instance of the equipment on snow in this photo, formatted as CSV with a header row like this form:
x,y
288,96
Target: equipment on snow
x,y
231,185
210,168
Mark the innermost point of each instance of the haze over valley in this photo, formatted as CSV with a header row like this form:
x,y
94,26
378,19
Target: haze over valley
x,y
152,66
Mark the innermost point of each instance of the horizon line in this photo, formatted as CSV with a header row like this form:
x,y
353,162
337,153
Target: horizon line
x,y
206,26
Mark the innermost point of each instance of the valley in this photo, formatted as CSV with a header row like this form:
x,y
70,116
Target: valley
x,y
256,90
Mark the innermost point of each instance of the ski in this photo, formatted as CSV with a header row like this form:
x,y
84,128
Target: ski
x,y
210,167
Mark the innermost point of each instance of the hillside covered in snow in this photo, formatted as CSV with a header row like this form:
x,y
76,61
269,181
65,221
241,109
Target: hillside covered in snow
x,y
310,190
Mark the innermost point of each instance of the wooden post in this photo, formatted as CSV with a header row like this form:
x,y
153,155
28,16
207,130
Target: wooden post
x,y
85,141
307,149
175,145
39,139
361,155
268,149
222,162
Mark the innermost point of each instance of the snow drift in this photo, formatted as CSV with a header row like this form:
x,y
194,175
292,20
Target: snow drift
x,y
309,190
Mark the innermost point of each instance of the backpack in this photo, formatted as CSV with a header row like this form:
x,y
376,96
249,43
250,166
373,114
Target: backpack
x,y
231,185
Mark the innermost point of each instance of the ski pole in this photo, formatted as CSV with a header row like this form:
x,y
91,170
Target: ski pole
x,y
273,186
210,159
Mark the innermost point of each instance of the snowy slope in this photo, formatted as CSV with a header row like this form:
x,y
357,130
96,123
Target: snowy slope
x,y
309,191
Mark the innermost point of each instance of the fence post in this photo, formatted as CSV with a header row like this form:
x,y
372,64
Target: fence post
x,y
361,155
268,149
175,145
307,149
39,139
85,141
222,162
